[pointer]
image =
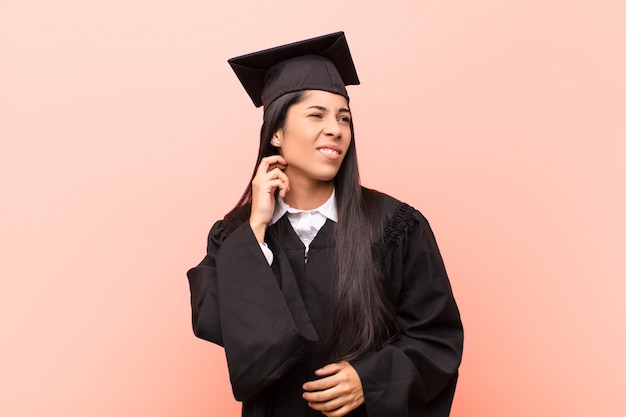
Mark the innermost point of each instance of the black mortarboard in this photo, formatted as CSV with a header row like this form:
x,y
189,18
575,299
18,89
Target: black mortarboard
x,y
322,63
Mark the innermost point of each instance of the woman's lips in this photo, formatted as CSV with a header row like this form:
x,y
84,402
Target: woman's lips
x,y
330,152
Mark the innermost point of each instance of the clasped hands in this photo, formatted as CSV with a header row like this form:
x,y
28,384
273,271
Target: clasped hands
x,y
337,392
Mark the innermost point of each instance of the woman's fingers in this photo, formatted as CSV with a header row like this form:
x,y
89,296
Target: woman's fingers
x,y
276,165
337,393
331,406
330,369
268,177
284,185
339,405
265,164
267,182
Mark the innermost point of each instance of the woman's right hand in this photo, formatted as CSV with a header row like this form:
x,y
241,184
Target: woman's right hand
x,y
269,176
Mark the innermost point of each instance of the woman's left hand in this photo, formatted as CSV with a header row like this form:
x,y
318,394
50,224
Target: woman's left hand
x,y
337,393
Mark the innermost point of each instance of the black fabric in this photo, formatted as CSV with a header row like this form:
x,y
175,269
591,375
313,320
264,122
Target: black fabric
x,y
274,321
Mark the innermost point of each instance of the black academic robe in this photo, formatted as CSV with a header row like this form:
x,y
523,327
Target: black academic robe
x,y
274,321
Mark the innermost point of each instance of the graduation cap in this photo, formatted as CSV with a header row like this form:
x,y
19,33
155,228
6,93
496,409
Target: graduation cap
x,y
321,63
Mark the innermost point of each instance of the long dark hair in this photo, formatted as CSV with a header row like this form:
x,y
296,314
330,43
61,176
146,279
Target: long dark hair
x,y
363,319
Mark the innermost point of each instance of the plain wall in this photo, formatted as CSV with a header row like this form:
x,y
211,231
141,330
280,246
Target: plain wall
x,y
124,135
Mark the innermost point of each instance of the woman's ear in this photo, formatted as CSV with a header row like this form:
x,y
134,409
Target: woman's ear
x,y
276,139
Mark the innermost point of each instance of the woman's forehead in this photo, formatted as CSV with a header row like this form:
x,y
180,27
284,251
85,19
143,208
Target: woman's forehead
x,y
325,99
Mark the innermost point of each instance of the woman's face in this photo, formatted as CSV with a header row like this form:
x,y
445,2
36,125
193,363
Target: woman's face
x,y
315,137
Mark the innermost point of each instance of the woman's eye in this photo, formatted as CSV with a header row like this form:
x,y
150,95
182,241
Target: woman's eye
x,y
316,115
344,119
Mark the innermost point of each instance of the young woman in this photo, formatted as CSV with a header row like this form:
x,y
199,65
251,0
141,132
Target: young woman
x,y
328,298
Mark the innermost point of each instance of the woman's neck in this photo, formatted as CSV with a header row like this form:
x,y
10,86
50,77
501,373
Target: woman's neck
x,y
308,196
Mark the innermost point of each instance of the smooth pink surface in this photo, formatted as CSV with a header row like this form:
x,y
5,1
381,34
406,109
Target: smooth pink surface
x,y
125,135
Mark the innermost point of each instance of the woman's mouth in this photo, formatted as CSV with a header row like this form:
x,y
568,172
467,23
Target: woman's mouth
x,y
330,153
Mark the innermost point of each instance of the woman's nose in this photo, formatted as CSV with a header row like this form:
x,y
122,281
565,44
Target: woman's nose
x,y
332,127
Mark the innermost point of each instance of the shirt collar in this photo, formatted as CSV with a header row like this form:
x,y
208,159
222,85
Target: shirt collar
x,y
328,209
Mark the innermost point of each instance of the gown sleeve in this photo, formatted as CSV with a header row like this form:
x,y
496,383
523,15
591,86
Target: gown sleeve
x,y
251,309
417,373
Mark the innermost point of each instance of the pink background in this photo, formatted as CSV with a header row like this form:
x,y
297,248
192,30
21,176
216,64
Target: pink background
x,y
125,136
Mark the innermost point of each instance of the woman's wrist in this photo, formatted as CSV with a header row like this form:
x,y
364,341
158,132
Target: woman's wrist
x,y
258,228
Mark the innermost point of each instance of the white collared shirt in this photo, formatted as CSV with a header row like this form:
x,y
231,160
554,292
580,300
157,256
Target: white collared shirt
x,y
306,223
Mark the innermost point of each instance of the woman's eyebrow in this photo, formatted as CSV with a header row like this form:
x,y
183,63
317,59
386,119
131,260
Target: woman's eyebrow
x,y
321,108
324,109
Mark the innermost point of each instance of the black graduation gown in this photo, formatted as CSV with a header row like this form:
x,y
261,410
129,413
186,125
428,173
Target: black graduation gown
x,y
273,321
